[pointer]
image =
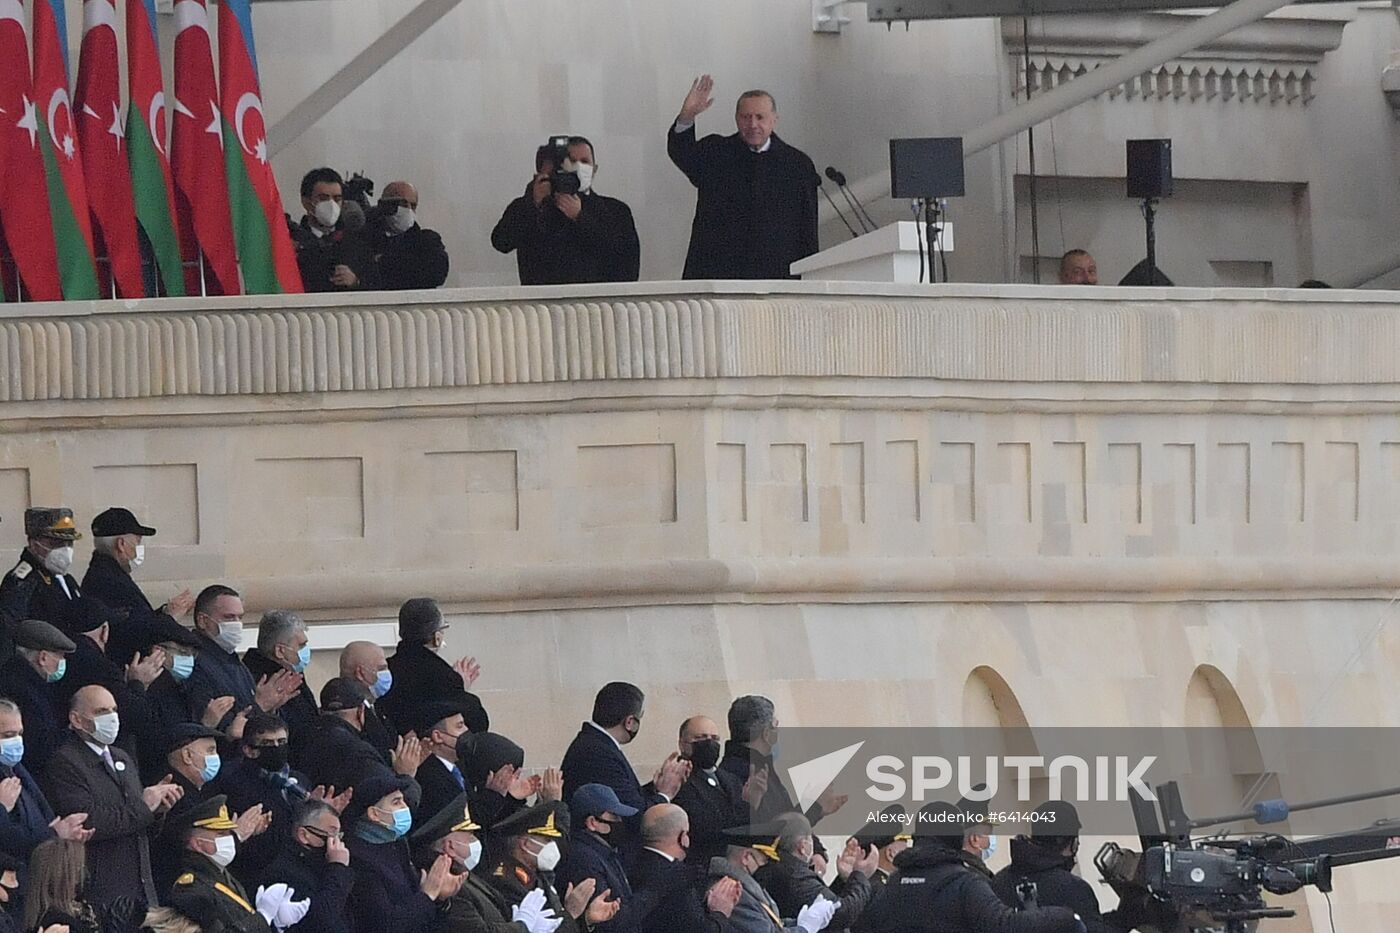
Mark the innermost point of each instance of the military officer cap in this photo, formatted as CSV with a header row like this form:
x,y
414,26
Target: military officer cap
x,y
456,817
182,734
37,635
119,521
419,618
86,614
211,814
890,825
374,788
430,714
341,693
44,522
548,820
761,837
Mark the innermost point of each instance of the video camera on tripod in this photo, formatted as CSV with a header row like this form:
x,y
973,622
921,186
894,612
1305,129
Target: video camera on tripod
x,y
1218,882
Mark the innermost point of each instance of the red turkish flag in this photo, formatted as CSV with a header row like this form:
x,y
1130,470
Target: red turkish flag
x,y
102,139
24,209
197,148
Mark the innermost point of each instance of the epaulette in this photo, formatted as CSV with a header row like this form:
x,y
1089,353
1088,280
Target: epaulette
x,y
186,878
21,570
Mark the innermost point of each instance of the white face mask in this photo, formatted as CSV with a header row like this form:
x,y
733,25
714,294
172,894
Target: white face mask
x,y
327,213
105,728
59,559
230,635
473,854
225,849
401,220
585,175
139,557
548,857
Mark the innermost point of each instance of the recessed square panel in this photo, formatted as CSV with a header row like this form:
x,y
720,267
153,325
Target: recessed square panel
x,y
164,496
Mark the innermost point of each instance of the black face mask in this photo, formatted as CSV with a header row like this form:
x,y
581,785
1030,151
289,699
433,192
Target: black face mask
x,y
704,754
616,829
272,757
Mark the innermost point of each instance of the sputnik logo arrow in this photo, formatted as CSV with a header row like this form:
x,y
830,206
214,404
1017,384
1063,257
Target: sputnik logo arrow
x,y
811,778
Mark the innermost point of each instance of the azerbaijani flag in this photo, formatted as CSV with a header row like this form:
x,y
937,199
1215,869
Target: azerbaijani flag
x,y
28,230
148,144
63,166
265,249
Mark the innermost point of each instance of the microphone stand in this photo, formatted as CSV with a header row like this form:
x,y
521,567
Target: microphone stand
x,y
1149,214
823,190
931,215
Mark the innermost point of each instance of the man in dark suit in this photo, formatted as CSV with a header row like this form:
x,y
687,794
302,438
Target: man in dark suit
x,y
756,207
88,775
40,661
284,647
363,663
421,677
439,776
595,755
715,800
117,550
26,819
338,755
660,876
218,624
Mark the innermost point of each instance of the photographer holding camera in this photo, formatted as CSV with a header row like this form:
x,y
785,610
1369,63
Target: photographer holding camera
x,y
332,252
563,232
408,256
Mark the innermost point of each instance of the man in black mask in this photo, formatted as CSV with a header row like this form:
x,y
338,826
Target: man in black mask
x,y
714,800
257,773
599,819
316,865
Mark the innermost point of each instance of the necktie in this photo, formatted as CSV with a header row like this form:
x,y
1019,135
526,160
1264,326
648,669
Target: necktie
x,y
107,757
457,776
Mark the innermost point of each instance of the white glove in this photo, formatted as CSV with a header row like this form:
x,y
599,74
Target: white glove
x,y
534,915
815,916
271,900
291,912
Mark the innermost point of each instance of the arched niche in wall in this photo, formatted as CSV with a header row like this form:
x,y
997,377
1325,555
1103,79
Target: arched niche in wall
x,y
996,724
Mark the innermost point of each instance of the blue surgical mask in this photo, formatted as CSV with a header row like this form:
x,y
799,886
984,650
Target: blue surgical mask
x,y
11,750
403,822
382,682
303,659
58,673
181,667
212,763
991,849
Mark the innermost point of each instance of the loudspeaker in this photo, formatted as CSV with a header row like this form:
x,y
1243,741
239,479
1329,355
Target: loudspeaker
x,y
1149,168
927,168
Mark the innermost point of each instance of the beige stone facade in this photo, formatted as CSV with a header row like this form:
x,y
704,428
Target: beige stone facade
x,y
875,504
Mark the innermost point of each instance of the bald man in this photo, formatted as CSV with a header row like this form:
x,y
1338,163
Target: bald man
x,y
660,874
363,662
408,256
88,774
713,799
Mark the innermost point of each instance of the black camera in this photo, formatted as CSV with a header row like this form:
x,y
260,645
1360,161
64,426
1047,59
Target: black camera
x,y
561,180
359,189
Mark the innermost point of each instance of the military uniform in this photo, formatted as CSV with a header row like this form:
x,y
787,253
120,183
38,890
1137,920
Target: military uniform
x,y
891,827
31,590
512,880
205,890
476,907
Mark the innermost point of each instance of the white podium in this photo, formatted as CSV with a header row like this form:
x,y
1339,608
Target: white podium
x,y
890,254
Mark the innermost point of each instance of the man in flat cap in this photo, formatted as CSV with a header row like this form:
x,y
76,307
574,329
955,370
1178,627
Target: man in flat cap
x,y
39,586
165,696
39,662
477,907
207,838
529,843
117,550
421,677
939,887
87,775
339,756
90,622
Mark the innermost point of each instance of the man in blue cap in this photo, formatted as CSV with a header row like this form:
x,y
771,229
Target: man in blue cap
x,y
598,819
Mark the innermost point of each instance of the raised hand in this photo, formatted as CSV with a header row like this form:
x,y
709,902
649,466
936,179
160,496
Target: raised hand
x,y
577,896
180,604
409,754
337,851
868,862
215,712
830,802
602,908
469,669
756,786
437,882
337,802
673,773
274,690
252,822
9,792
70,827
501,780
146,669
723,895
698,100
163,795
551,787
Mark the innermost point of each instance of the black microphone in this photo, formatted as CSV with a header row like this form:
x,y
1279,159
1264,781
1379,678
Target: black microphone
x,y
856,207
822,188
282,782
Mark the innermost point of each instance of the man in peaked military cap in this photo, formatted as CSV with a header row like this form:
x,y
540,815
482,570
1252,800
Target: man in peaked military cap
x,y
749,848
528,842
39,586
205,834
890,832
477,906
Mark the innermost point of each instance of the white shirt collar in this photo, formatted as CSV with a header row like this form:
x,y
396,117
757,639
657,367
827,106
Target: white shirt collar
x,y
669,858
768,143
96,749
449,765
607,733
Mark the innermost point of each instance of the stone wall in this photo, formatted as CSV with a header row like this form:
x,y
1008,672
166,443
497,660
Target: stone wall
x,y
876,504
